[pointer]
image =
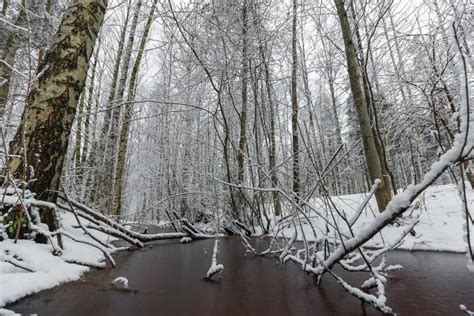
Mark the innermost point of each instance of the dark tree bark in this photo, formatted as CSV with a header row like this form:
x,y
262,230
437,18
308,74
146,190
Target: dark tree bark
x,y
5,7
294,104
243,113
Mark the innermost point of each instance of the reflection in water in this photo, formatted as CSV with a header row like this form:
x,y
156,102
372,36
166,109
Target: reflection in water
x,y
168,280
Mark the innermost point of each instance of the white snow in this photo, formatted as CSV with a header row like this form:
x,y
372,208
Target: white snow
x,y
215,268
49,270
185,240
120,282
465,310
7,312
440,226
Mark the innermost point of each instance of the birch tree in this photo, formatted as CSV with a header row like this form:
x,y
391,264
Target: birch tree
x,y
125,130
39,146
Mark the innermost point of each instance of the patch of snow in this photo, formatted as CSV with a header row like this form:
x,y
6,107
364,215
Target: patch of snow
x,y
440,226
120,282
49,270
185,240
7,312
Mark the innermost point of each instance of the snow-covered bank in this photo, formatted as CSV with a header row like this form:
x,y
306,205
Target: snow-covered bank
x,y
48,270
439,229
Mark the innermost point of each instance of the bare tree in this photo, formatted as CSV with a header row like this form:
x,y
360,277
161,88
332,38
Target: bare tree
x,y
294,101
125,130
373,162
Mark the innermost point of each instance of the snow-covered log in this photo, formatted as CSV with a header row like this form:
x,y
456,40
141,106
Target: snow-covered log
x,y
141,237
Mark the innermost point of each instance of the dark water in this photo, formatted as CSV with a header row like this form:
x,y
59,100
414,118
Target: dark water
x,y
168,280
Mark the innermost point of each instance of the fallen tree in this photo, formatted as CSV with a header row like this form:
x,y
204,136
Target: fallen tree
x,y
20,220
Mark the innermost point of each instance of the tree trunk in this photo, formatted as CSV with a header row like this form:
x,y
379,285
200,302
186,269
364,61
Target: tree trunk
x,y
243,113
51,104
294,104
49,7
128,114
99,183
271,134
112,142
78,147
8,60
92,159
88,110
371,108
272,147
334,109
5,7
373,162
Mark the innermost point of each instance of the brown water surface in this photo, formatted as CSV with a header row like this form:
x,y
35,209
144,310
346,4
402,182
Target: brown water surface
x,y
167,279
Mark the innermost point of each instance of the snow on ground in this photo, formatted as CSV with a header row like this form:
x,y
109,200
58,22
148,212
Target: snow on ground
x,y
49,270
439,229
7,312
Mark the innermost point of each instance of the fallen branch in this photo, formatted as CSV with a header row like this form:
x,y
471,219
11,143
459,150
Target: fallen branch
x,y
16,263
195,235
87,242
102,227
141,237
115,233
465,310
86,264
79,221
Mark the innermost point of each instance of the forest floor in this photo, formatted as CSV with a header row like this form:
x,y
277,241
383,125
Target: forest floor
x,y
439,229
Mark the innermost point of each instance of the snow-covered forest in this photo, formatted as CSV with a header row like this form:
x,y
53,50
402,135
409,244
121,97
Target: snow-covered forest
x,y
335,136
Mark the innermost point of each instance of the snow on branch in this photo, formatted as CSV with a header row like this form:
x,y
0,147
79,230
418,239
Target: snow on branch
x,y
465,310
190,231
104,250
355,216
468,140
215,268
